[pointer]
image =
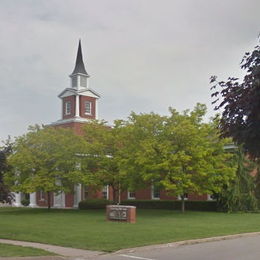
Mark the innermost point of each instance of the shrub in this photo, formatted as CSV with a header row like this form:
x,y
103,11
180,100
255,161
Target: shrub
x,y
25,202
172,204
94,204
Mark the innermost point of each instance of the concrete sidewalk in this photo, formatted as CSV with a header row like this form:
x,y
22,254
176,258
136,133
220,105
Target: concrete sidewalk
x,y
37,258
60,250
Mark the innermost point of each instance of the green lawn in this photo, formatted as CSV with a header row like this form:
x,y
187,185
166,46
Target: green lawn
x,y
10,251
89,230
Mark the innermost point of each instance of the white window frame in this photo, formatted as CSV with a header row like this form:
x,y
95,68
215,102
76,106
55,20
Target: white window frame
x,y
105,192
88,108
152,194
129,195
74,81
83,81
67,108
78,166
186,196
209,197
85,192
42,195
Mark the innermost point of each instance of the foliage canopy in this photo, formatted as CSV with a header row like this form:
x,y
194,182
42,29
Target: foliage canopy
x,y
44,159
180,152
240,102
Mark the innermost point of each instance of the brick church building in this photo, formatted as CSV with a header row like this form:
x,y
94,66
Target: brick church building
x,y
79,105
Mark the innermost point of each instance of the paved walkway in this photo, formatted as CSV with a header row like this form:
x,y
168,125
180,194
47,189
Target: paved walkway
x,y
37,258
63,251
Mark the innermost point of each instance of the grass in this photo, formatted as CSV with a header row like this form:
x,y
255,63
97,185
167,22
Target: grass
x,y
11,251
89,230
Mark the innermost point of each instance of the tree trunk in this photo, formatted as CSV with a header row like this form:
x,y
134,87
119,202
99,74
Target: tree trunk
x,y
49,199
182,204
119,195
114,195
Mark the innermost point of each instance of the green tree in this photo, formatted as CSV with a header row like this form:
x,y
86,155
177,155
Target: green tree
x,y
240,194
6,150
181,153
240,103
45,159
257,185
104,157
145,138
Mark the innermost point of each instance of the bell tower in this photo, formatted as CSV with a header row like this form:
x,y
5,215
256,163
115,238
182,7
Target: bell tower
x,y
79,76
79,101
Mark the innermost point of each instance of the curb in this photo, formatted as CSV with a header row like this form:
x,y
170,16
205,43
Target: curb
x,y
186,242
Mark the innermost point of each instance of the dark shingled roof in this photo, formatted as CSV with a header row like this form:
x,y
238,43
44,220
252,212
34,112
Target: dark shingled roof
x,y
79,66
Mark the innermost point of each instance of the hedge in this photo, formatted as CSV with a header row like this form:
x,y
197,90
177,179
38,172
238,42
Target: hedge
x,y
172,204
94,204
152,204
25,202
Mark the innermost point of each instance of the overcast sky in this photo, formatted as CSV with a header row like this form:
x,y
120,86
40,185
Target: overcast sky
x,y
142,55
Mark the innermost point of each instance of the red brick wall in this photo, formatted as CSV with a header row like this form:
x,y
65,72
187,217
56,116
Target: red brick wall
x,y
69,200
144,194
98,195
92,193
165,196
197,197
75,126
82,100
72,99
124,195
110,193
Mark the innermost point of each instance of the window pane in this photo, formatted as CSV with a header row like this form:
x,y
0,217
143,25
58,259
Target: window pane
x,y
104,192
74,82
86,193
131,195
42,195
83,81
68,108
155,192
88,107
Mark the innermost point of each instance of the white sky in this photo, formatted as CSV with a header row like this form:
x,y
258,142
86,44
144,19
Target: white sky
x,y
142,55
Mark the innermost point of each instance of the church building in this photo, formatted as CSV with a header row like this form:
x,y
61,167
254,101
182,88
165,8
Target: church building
x,y
79,101
79,105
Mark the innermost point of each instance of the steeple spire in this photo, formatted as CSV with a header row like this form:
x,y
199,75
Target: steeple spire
x,y
79,66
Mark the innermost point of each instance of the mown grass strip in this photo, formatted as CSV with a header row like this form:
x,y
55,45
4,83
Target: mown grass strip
x,y
17,251
89,230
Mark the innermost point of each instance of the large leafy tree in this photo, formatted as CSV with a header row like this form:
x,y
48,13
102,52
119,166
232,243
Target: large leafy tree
x,y
103,163
5,151
240,103
45,159
144,142
181,153
257,184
